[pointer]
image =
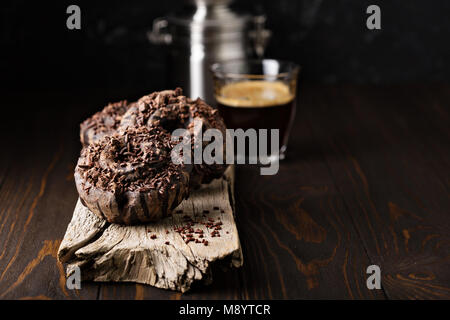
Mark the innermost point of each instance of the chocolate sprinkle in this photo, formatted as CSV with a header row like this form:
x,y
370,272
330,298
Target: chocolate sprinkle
x,y
125,173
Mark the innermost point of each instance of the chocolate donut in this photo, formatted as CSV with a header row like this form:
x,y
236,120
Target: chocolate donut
x,y
171,110
129,177
103,123
168,109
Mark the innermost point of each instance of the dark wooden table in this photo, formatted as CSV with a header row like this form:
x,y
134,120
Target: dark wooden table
x,y
366,182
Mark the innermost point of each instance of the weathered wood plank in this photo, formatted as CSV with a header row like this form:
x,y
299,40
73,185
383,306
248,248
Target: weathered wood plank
x,y
156,254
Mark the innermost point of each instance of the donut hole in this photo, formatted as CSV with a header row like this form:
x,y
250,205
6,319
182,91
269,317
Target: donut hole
x,y
170,117
170,125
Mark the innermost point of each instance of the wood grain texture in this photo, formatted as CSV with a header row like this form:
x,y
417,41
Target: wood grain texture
x,y
366,181
389,162
156,254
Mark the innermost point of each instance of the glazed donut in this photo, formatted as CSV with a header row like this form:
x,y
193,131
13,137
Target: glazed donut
x,y
103,123
129,177
168,109
171,110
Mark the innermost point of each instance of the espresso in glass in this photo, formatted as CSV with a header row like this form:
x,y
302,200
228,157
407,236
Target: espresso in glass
x,y
257,94
259,105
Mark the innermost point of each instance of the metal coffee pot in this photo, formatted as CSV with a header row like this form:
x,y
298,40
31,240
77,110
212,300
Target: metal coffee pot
x,y
202,33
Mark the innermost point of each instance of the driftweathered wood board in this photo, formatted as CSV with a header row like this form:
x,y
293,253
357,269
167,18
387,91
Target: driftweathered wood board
x,y
156,254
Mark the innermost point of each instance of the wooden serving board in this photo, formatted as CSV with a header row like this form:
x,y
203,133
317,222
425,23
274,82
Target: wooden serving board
x,y
158,254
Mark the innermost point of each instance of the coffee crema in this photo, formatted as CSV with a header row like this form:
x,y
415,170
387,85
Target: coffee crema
x,y
252,94
258,104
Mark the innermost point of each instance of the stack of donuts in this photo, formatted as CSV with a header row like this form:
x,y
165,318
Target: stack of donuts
x,y
126,173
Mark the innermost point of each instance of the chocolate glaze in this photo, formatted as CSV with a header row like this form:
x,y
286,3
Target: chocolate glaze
x,y
170,110
103,123
125,173
129,177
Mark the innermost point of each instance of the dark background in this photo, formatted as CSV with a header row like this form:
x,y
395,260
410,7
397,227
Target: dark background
x,y
328,38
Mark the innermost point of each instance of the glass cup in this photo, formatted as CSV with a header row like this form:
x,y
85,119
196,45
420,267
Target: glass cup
x,y
258,94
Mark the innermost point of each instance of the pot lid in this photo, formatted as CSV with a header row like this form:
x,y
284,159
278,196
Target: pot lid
x,y
209,17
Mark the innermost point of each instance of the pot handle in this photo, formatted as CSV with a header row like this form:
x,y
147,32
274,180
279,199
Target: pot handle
x,y
159,34
260,36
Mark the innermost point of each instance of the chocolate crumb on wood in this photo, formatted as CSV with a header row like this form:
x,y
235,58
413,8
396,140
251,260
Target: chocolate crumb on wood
x,y
176,266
